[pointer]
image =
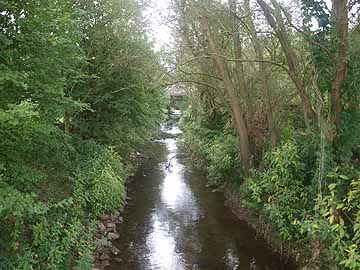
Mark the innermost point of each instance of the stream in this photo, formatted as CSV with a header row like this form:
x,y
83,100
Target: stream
x,y
174,222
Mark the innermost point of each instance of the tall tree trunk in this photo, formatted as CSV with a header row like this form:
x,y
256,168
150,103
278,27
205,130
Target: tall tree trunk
x,y
292,61
340,15
239,66
263,72
241,83
234,104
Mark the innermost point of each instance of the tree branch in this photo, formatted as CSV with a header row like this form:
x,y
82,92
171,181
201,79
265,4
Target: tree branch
x,y
190,81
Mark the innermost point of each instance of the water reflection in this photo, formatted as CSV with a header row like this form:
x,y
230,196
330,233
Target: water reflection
x,y
173,130
177,224
162,246
176,209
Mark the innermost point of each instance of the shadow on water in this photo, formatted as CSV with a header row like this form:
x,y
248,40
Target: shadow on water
x,y
174,223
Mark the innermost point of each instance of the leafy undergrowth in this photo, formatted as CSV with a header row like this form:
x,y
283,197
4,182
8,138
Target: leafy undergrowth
x,y
213,152
323,230
57,233
74,106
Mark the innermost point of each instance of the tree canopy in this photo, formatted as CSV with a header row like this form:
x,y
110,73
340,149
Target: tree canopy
x,y
278,82
273,114
77,97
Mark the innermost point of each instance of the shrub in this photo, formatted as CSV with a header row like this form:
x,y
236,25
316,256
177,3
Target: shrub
x,y
99,180
212,151
61,239
279,191
223,164
37,235
195,143
337,224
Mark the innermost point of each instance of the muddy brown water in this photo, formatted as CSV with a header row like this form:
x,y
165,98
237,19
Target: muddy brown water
x,y
174,222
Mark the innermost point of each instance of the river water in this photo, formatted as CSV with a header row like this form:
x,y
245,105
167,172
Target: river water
x,y
173,222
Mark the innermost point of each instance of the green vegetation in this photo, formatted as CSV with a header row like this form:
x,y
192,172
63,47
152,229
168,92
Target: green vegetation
x,y
274,115
77,97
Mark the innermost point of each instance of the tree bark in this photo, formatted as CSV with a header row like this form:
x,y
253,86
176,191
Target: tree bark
x,y
239,66
236,110
276,22
263,72
340,15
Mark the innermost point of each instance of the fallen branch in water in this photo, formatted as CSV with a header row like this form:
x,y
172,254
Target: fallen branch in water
x,y
168,165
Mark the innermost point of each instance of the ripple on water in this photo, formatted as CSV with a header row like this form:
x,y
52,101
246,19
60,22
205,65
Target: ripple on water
x,y
178,224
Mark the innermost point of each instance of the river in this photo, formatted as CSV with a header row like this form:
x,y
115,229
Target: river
x,y
173,222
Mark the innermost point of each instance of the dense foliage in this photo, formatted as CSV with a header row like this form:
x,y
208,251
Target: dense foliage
x,y
274,113
77,97
275,110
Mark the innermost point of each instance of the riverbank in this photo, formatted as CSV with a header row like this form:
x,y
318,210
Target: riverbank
x,y
108,225
273,199
215,156
106,229
289,254
263,229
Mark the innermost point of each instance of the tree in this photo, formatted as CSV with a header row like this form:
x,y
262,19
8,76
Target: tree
x,y
77,96
275,19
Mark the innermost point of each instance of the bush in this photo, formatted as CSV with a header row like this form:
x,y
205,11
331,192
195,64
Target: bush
x,y
61,239
195,143
214,152
71,93
284,197
337,224
99,180
37,235
223,164
279,191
